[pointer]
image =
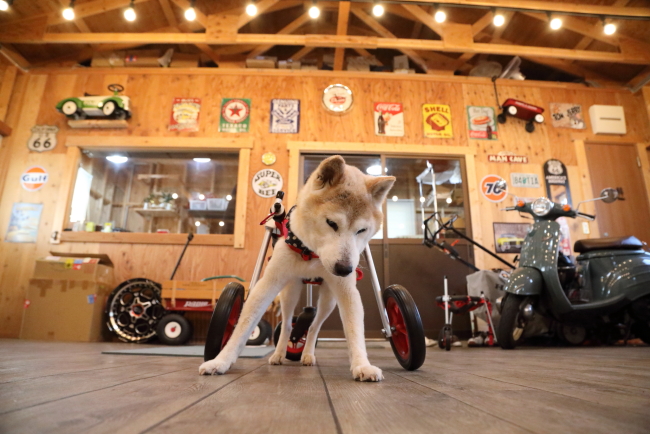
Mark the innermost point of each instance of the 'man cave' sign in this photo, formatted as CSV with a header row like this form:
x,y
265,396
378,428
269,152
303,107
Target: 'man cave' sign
x,y
496,158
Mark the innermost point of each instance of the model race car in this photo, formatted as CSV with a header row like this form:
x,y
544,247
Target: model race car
x,y
114,106
521,110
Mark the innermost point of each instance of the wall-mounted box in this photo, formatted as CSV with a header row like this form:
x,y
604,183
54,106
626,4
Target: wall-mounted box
x,y
607,119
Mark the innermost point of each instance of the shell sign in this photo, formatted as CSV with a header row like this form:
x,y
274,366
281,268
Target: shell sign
x,y
34,178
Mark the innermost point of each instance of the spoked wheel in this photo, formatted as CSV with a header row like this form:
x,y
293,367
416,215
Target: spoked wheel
x,y
134,309
407,333
512,324
261,333
224,319
294,351
445,337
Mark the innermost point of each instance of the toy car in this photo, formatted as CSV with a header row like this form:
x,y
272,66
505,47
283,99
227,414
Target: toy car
x,y
521,110
114,106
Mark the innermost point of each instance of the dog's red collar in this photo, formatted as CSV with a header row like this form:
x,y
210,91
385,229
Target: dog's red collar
x,y
294,242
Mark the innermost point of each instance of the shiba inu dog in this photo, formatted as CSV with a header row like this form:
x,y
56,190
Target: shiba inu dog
x,y
337,212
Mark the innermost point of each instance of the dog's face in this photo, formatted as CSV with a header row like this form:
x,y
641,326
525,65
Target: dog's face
x,y
338,212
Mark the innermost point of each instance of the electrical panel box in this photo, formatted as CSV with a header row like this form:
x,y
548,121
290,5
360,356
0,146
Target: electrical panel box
x,y
607,119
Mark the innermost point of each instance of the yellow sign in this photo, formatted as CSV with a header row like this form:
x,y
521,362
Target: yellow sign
x,y
268,158
437,121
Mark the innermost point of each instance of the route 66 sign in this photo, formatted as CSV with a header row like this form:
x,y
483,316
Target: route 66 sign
x,y
43,138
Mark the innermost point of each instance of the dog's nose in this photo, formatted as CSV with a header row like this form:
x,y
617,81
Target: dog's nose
x,y
342,269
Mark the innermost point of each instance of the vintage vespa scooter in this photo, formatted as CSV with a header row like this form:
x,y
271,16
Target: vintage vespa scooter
x,y
612,276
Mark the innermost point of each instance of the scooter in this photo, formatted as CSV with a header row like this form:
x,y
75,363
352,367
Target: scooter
x,y
612,276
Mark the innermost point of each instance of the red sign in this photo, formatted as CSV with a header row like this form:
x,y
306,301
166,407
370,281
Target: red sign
x,y
185,114
496,158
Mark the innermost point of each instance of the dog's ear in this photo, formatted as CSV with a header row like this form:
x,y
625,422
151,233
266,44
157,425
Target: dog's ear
x,y
379,186
330,171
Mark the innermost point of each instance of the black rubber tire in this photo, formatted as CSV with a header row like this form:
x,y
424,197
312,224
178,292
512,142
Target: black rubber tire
x,y
231,296
510,312
417,349
501,118
265,332
530,127
641,314
293,356
112,312
448,338
183,337
571,334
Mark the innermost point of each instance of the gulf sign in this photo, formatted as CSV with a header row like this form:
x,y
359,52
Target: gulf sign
x,y
34,178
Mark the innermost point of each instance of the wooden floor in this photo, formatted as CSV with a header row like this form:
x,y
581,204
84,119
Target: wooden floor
x,y
72,388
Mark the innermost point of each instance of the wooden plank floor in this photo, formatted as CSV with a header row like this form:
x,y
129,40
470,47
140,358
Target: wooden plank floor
x,y
73,388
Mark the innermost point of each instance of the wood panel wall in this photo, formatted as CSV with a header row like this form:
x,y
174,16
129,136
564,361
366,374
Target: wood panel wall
x,y
36,94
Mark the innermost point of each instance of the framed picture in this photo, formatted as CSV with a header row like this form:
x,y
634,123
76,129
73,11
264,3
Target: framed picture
x,y
508,237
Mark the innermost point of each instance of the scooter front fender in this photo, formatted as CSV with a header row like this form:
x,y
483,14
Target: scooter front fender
x,y
525,281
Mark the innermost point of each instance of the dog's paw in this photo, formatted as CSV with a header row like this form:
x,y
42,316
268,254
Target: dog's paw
x,y
214,367
276,359
367,373
308,359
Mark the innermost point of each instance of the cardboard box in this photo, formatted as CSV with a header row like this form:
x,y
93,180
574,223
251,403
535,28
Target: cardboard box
x,y
140,58
184,60
87,267
64,310
112,59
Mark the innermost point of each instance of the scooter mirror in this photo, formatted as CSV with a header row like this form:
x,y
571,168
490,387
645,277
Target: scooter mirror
x,y
609,195
501,185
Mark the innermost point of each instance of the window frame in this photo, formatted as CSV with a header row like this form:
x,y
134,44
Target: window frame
x,y
75,144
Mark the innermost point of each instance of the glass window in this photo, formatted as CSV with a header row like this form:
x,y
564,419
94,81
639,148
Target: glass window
x,y
423,186
155,192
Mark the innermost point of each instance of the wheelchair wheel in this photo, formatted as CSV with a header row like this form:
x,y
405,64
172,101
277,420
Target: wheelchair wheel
x,y
445,337
224,319
407,339
261,333
294,351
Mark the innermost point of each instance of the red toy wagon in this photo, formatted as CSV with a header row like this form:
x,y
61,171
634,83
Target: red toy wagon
x,y
522,110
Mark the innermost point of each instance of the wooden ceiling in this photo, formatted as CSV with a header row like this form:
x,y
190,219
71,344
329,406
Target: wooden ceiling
x,y
33,34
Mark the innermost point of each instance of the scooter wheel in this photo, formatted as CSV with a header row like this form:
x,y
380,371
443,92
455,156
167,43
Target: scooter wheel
x,y
407,333
511,325
294,351
261,333
224,319
445,337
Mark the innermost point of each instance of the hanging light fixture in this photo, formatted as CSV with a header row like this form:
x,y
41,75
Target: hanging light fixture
x,y
314,12
609,28
129,13
499,19
440,16
555,23
251,9
378,9
4,4
68,13
190,13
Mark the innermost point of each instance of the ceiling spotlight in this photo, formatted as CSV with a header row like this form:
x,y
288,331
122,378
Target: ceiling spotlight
x,y
190,13
378,10
175,196
228,197
4,5
556,23
197,224
251,10
314,12
449,200
129,13
201,196
498,19
440,16
202,160
422,199
222,224
117,159
374,170
68,13
609,29
395,198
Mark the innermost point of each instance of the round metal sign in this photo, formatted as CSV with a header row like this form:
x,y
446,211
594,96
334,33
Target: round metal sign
x,y
337,98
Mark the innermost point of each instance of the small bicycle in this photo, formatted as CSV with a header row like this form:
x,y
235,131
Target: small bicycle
x,y
400,317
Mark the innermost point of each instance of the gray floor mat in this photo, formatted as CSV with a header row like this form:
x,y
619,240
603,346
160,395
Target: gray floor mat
x,y
189,351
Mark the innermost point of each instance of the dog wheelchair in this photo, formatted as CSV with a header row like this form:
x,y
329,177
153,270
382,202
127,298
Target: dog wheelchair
x,y
400,317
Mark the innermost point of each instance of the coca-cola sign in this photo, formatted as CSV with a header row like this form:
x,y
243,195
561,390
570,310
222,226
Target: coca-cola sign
x,y
389,119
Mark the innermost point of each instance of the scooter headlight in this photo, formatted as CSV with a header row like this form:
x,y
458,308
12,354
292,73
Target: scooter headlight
x,y
542,206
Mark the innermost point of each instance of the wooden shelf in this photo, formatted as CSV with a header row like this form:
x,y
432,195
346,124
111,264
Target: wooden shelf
x,y
116,124
145,238
159,212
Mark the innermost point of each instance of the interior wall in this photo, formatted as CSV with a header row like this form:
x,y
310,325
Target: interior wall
x,y
36,94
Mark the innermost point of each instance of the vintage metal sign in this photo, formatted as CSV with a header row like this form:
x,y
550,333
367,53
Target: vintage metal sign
x,y
557,182
235,115
567,115
524,180
267,182
34,178
43,138
185,114
507,158
482,123
389,119
490,189
437,121
23,223
285,116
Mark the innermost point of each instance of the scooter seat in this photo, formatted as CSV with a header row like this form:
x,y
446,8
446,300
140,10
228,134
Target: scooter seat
x,y
622,243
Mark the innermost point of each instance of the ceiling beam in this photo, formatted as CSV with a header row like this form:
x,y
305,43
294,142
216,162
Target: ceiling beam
x,y
301,53
579,26
88,9
418,14
341,30
262,6
6,89
288,29
482,23
14,57
201,18
645,73
638,57
551,6
584,43
169,13
385,33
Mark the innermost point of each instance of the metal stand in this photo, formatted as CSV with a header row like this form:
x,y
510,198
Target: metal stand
x,y
377,290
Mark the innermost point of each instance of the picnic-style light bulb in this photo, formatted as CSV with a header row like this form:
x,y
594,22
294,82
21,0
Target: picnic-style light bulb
x,y
190,13
251,9
4,5
378,10
556,23
498,19
314,12
609,28
68,13
129,13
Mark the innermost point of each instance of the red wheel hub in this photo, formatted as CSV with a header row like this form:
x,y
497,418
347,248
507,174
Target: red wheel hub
x,y
298,346
398,328
232,321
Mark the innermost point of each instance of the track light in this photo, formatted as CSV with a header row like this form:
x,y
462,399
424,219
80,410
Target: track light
x,y
68,13
498,19
440,16
4,5
608,28
129,13
556,23
251,9
190,13
378,10
314,12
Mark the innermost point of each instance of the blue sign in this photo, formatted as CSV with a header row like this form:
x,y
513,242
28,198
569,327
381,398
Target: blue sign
x,y
285,116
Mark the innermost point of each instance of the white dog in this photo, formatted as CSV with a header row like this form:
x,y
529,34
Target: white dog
x,y
337,213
